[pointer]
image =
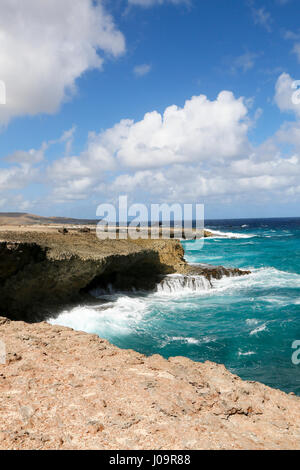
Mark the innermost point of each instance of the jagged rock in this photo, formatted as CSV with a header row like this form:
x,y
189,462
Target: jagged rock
x,y
72,390
208,234
214,272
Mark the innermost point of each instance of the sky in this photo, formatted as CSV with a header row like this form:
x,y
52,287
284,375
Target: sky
x,y
166,101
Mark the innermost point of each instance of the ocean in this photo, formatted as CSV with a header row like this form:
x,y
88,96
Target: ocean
x,y
247,323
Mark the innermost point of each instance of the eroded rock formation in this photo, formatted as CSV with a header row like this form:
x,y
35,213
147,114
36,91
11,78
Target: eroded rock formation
x,y
41,271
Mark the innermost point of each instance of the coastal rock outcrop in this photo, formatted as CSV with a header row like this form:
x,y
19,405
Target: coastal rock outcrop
x,y
213,272
40,271
62,389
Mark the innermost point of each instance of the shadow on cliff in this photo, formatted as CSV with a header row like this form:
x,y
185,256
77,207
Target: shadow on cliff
x,y
34,287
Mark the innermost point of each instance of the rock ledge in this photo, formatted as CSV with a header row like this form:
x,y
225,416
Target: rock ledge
x,y
62,389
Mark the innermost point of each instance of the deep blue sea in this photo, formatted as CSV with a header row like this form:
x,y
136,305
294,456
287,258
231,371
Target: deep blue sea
x,y
247,323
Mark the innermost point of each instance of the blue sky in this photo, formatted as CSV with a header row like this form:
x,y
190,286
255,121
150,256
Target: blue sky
x,y
88,83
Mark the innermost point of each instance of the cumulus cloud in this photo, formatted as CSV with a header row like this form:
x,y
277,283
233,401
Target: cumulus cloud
x,y
200,131
46,46
287,97
144,155
74,177
200,151
17,177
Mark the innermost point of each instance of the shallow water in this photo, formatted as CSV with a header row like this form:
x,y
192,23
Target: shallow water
x,y
247,323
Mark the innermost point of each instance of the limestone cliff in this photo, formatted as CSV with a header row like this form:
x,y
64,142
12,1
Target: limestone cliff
x,y
40,271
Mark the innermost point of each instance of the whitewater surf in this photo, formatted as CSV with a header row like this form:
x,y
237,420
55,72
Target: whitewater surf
x,y
247,323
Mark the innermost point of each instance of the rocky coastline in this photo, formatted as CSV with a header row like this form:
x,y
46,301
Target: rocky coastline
x,y
43,271
63,389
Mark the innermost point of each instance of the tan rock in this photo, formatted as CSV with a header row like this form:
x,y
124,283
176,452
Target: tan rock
x,y
72,390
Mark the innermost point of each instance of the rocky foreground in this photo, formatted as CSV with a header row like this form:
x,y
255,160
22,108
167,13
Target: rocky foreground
x,y
62,389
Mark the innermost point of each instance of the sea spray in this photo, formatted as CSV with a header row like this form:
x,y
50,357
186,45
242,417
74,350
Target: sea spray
x,y
180,284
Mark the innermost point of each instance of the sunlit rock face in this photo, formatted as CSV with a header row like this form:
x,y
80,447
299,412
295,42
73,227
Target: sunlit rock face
x,y
64,389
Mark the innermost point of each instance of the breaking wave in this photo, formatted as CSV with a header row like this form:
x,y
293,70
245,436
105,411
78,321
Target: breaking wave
x,y
180,284
218,234
121,313
119,316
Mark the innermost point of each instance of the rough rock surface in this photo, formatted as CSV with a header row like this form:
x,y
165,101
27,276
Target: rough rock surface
x,y
41,271
212,271
62,389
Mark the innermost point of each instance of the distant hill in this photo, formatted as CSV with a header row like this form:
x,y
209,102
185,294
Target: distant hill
x,y
22,218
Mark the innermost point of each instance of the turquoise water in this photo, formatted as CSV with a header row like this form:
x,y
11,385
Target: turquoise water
x,y
247,323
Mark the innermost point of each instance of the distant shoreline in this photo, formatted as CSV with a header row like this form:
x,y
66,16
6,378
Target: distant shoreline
x,y
23,219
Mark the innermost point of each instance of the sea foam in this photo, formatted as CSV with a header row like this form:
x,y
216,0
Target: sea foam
x,y
218,234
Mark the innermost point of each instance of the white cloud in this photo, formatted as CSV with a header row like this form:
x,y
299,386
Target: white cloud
x,y
290,133
24,168
141,70
262,17
74,177
247,178
296,50
291,35
200,151
15,203
31,156
46,46
285,94
17,177
201,129
294,36
244,62
202,132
